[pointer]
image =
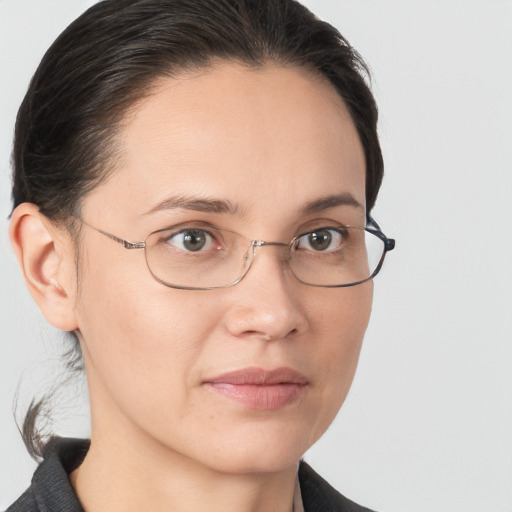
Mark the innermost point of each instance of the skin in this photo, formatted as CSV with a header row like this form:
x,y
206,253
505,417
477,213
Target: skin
x,y
269,141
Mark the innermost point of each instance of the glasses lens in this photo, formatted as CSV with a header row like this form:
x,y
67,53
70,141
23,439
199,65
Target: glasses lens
x,y
336,257
196,256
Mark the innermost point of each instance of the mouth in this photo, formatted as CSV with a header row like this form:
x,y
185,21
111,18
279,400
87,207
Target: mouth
x,y
260,389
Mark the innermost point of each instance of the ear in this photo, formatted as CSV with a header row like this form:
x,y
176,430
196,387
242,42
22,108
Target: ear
x,y
46,256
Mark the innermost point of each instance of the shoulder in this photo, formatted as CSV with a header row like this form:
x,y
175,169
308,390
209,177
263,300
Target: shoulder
x,y
50,489
25,503
319,496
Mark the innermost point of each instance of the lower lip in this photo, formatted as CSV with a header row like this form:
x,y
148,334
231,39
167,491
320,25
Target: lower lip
x,y
261,396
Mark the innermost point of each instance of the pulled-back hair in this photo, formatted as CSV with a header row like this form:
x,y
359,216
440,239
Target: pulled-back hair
x,y
111,56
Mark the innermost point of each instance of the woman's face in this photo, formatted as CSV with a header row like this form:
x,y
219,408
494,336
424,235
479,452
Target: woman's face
x,y
265,143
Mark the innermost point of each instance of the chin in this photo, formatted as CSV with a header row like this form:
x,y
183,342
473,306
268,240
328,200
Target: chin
x,y
269,463
263,452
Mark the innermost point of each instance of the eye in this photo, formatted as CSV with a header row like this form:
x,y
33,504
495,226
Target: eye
x,y
321,240
192,240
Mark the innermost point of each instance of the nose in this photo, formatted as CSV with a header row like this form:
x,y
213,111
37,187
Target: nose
x,y
267,302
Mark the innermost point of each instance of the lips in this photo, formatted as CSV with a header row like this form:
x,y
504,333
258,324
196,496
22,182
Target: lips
x,y
260,389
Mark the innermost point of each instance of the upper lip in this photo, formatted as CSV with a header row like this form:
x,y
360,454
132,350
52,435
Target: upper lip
x,y
259,376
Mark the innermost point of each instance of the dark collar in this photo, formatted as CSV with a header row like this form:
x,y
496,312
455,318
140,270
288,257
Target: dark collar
x,y
319,496
51,490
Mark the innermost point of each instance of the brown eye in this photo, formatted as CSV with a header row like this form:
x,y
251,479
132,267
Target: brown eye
x,y
191,240
321,240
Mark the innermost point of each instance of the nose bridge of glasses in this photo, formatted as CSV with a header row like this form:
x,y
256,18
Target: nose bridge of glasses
x,y
282,261
261,243
257,245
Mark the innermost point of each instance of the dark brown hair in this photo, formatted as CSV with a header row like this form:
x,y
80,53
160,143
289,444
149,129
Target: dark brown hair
x,y
110,57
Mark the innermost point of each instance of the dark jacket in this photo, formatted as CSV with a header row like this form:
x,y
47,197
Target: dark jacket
x,y
51,490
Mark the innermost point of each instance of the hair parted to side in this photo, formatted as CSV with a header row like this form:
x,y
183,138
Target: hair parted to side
x,y
110,57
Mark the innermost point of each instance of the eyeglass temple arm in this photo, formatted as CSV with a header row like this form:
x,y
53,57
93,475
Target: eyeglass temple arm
x,y
389,243
124,243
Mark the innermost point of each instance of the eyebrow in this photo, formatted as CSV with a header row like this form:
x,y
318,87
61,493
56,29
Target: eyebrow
x,y
332,201
205,205
219,206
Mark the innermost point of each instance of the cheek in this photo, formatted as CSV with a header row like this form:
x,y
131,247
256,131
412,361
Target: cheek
x,y
342,320
340,325
140,336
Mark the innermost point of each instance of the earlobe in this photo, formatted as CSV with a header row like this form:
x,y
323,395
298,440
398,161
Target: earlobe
x,y
44,255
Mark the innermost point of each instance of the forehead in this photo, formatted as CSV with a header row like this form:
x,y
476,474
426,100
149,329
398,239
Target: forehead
x,y
265,137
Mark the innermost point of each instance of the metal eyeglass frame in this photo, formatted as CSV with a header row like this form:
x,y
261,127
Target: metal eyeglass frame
x,y
371,227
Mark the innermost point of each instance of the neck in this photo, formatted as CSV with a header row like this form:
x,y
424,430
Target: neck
x,y
124,476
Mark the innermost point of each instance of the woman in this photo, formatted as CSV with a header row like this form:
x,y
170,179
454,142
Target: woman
x,y
193,182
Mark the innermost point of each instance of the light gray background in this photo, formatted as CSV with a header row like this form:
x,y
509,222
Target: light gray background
x,y
428,423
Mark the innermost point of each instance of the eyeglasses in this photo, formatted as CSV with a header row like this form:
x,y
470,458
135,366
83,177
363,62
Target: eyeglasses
x,y
197,256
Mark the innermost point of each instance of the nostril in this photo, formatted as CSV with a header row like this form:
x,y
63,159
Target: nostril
x,y
266,336
257,334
